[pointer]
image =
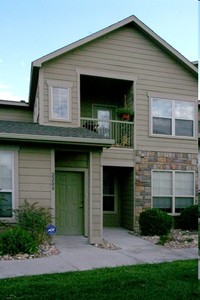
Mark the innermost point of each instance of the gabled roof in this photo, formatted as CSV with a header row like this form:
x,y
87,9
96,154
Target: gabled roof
x,y
29,132
130,20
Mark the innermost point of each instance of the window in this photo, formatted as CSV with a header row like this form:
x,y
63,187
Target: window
x,y
172,117
60,103
6,183
60,100
172,191
109,197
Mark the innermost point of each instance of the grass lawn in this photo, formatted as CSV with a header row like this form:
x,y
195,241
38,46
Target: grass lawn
x,y
174,280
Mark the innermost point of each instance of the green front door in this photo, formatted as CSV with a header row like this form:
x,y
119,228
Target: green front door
x,y
69,202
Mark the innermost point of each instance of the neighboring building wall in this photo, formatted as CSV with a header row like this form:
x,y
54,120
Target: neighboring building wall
x,y
154,160
35,175
16,114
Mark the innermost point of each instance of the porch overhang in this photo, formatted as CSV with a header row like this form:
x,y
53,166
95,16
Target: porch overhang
x,y
103,143
34,132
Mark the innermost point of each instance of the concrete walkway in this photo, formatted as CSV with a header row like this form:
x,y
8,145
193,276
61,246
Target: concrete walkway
x,y
77,254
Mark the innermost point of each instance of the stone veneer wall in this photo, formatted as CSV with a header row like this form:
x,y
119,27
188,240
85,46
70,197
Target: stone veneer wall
x,y
145,161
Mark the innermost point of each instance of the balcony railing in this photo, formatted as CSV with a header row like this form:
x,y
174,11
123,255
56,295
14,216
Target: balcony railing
x,y
120,131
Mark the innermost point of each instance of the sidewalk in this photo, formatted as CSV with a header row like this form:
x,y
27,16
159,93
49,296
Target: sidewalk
x,y
76,254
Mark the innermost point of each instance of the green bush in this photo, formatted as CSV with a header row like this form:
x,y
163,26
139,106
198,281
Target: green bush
x,y
189,218
34,220
17,240
155,222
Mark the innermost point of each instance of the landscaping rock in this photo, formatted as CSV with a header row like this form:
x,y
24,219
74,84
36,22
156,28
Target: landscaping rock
x,y
106,245
44,250
177,239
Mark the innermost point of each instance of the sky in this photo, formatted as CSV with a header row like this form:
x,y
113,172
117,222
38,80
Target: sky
x,y
30,29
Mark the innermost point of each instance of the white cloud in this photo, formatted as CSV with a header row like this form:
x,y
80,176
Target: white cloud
x,y
8,95
1,60
4,86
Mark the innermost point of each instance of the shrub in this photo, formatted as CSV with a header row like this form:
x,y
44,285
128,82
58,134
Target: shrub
x,y
155,222
34,220
17,240
189,218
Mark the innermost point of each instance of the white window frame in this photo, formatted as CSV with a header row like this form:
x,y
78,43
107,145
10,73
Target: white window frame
x,y
14,190
173,196
173,118
115,211
60,85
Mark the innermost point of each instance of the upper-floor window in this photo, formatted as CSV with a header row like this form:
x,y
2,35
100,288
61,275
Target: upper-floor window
x,y
173,117
60,103
60,100
6,184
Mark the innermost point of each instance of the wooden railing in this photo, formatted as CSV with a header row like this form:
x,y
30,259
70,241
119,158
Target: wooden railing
x,y
120,131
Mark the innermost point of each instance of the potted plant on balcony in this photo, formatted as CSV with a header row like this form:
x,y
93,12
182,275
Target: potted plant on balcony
x,y
124,112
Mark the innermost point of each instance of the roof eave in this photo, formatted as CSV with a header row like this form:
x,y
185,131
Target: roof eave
x,y
12,103
106,143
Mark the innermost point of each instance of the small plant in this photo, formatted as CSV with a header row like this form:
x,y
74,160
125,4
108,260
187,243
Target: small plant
x,y
189,218
189,240
124,110
155,222
163,239
17,240
34,220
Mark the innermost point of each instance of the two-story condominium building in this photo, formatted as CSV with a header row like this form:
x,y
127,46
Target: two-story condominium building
x,y
70,149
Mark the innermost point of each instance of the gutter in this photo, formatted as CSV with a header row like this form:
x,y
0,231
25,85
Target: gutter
x,y
107,143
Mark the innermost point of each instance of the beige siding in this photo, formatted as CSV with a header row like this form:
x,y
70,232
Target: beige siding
x,y
35,176
127,198
95,199
127,51
71,159
15,114
118,157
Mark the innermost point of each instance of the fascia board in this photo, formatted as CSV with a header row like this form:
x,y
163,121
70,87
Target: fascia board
x,y
57,139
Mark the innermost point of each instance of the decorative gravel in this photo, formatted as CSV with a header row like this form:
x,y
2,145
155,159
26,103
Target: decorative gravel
x,y
177,239
106,245
44,250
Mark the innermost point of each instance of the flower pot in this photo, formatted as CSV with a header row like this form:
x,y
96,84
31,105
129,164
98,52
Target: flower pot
x,y
125,117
